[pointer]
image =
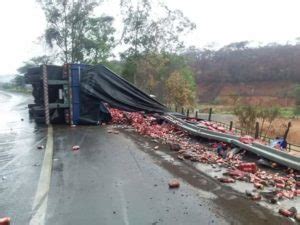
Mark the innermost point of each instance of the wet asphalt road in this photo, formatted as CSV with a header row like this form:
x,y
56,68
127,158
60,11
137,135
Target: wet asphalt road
x,y
19,158
112,179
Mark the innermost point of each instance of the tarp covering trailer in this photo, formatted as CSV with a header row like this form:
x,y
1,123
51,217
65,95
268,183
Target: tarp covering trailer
x,y
103,84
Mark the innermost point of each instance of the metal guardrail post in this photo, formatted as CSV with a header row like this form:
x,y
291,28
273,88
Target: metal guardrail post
x,y
287,131
256,130
46,95
209,115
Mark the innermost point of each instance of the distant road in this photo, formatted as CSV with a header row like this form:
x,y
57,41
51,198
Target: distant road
x,y
224,118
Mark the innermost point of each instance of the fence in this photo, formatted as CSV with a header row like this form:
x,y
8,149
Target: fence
x,y
237,131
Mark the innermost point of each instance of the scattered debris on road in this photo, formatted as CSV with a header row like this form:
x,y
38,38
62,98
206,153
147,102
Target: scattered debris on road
x,y
111,131
174,147
288,212
75,147
247,139
280,185
174,183
253,195
248,167
226,180
40,147
5,221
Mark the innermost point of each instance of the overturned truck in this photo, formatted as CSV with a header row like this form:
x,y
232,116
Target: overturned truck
x,y
79,94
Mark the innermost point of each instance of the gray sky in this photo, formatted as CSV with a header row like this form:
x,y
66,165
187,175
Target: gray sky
x,y
221,21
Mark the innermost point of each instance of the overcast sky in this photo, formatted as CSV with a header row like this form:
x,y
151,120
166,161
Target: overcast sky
x,y
221,21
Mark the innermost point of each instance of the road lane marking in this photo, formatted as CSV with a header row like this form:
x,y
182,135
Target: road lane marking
x,y
123,205
39,207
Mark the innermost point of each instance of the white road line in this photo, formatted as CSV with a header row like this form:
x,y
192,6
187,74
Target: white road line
x,y
39,207
124,208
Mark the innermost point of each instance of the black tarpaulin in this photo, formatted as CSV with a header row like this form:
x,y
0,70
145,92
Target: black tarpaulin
x,y
92,111
102,84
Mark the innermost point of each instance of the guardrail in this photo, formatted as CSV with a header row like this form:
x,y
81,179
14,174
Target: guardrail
x,y
237,131
267,152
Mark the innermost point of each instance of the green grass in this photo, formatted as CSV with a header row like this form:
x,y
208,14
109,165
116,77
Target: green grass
x,y
286,112
17,89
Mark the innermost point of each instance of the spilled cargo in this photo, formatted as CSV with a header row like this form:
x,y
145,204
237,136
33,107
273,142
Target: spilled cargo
x,y
81,94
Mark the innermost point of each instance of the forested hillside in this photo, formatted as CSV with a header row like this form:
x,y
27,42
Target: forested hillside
x,y
269,73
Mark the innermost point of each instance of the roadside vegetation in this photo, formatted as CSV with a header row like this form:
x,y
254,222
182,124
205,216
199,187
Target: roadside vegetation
x,y
147,49
17,84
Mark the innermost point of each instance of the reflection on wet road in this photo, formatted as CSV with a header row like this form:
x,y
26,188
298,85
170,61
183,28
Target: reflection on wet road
x,y
19,157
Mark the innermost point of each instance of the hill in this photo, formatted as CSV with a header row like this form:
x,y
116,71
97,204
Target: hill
x,y
267,74
268,93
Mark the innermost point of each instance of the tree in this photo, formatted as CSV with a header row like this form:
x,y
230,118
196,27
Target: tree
x,y
297,99
18,81
238,62
150,68
297,95
35,61
154,69
247,116
99,40
145,35
179,91
72,29
273,113
135,22
267,115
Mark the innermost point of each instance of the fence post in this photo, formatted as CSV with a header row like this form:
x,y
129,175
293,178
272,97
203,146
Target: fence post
x,y
230,125
175,108
182,111
188,113
196,115
256,130
287,131
209,115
